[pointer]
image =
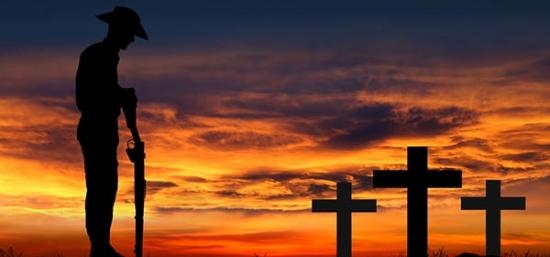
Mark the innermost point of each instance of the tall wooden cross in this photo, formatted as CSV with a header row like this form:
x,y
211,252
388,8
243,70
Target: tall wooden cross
x,y
492,203
417,179
343,206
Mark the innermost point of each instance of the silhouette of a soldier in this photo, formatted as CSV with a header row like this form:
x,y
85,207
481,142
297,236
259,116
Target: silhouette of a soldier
x,y
99,98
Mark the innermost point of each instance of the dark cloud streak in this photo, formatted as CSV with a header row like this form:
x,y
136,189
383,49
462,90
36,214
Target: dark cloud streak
x,y
300,184
369,124
246,211
243,140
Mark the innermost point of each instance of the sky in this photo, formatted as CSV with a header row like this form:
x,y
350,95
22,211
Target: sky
x,y
251,109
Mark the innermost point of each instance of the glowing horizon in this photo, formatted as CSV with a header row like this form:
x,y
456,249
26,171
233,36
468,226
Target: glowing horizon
x,y
266,172
249,116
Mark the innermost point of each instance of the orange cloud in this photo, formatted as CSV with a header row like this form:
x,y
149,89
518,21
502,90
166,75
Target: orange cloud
x,y
238,145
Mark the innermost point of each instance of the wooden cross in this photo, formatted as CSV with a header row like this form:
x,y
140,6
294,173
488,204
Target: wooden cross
x,y
343,206
492,203
417,179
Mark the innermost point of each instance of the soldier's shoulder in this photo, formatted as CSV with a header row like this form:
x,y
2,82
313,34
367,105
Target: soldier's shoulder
x,y
96,49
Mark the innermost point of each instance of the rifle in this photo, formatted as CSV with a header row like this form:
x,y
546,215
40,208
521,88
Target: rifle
x,y
136,153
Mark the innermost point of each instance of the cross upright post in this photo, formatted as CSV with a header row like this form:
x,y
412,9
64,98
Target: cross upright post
x,y
492,203
417,179
343,206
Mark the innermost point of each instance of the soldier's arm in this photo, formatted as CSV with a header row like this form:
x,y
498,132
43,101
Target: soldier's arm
x,y
84,85
129,106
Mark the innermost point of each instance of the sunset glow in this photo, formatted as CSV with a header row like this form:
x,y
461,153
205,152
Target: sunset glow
x,y
240,139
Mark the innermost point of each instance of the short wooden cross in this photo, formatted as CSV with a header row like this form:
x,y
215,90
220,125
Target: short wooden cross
x,y
343,206
492,203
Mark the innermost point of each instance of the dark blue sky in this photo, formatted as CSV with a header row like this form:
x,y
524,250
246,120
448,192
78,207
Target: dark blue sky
x,y
461,26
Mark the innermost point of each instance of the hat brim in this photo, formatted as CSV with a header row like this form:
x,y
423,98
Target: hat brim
x,y
140,32
137,28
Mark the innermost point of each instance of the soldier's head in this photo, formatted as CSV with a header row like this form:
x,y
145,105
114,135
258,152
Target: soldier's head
x,y
124,25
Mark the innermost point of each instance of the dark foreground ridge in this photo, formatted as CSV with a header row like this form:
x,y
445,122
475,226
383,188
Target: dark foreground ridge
x,y
473,255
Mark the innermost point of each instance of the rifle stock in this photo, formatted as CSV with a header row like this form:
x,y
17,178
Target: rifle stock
x,y
136,153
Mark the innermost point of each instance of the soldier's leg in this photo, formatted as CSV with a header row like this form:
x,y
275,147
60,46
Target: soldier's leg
x,y
110,190
92,168
101,183
110,197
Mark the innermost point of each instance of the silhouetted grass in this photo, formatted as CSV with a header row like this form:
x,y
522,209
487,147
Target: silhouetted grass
x,y
10,252
441,252
525,254
438,253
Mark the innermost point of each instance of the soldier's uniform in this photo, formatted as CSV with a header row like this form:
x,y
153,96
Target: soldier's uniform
x,y
100,99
